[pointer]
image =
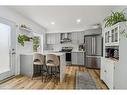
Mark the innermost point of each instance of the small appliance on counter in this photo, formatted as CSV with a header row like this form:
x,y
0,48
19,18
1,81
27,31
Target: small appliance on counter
x,y
112,52
81,47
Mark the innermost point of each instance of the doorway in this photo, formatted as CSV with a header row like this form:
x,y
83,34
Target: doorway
x,y
7,48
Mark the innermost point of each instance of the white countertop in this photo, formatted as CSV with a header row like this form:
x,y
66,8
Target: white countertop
x,y
51,52
56,53
44,53
78,51
26,53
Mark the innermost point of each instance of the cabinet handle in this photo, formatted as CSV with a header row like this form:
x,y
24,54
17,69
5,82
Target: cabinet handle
x,y
104,70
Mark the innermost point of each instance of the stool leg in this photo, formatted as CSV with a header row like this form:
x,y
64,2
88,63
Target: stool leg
x,y
40,69
57,72
42,72
47,73
51,72
58,68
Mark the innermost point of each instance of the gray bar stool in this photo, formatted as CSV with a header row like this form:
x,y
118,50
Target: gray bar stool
x,y
39,65
52,63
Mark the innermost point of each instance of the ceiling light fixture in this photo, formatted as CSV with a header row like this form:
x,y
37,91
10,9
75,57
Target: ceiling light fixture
x,y
52,23
78,20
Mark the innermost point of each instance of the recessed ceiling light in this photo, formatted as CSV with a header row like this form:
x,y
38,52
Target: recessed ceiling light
x,y
52,23
78,20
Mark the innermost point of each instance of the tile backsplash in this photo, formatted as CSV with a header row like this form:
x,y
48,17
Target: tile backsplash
x,y
58,47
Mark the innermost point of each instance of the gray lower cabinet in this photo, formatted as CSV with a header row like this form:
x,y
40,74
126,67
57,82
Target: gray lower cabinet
x,y
77,58
74,58
80,58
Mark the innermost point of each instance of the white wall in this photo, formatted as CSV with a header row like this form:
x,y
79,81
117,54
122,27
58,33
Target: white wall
x,y
11,15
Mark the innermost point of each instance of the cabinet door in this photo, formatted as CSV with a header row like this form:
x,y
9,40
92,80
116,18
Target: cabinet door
x,y
74,38
112,36
48,38
107,72
115,35
74,58
57,38
80,58
103,69
107,37
79,37
110,74
51,38
82,37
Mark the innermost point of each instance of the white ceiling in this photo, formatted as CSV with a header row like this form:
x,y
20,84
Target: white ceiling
x,y
64,16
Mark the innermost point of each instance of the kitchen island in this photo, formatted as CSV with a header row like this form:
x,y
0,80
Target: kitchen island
x,y
26,63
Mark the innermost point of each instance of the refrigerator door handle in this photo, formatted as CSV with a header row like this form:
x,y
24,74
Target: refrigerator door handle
x,y
92,45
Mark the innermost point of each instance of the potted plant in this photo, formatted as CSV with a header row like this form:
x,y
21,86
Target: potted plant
x,y
36,43
114,18
23,38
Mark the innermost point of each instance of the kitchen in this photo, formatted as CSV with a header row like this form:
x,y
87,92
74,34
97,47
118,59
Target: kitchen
x,y
72,43
84,53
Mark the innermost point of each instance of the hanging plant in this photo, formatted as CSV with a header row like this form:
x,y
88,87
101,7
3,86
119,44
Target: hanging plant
x,y
36,43
114,18
23,38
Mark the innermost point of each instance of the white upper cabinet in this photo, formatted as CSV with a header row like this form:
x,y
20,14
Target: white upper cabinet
x,y
48,38
77,38
111,35
80,37
53,38
74,37
56,38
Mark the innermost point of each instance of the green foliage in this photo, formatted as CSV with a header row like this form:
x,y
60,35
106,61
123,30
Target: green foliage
x,y
23,38
36,42
114,18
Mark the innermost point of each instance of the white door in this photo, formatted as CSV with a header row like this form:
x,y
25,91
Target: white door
x,y
7,48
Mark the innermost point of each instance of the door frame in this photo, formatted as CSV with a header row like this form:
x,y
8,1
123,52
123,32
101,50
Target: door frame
x,y
12,54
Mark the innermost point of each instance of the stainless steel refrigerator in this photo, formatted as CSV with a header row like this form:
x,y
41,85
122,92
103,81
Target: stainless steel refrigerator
x,y
93,48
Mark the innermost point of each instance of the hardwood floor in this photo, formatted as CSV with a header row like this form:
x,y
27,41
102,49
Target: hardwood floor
x,y
23,82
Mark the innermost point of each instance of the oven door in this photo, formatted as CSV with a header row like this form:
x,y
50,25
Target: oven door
x,y
68,57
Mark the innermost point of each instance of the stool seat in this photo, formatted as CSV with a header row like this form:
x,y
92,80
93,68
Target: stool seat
x,y
51,64
37,63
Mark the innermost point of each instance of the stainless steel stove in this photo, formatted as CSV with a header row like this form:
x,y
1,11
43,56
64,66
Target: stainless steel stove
x,y
67,50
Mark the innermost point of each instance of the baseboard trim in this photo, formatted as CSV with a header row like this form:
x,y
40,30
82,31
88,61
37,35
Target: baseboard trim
x,y
9,78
